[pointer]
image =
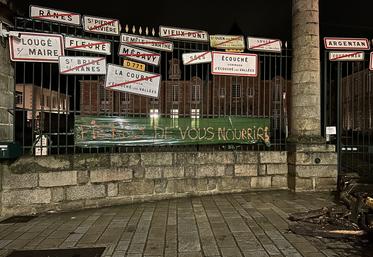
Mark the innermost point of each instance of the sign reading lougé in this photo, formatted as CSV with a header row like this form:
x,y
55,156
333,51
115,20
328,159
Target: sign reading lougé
x,y
227,42
42,13
87,45
139,54
82,65
185,34
346,43
36,47
114,131
264,44
132,81
234,64
146,42
346,56
196,58
101,25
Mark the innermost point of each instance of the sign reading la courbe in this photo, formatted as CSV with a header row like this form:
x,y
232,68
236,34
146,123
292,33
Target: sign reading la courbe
x,y
35,47
87,45
184,34
132,81
93,131
82,65
234,64
42,13
146,42
101,25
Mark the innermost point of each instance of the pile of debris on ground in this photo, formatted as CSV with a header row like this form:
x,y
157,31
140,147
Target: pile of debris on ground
x,y
353,219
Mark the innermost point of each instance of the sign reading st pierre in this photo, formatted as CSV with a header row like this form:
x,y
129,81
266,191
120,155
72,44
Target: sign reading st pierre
x,y
99,25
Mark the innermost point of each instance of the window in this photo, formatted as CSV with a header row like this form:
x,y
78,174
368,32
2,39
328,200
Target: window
x,y
19,97
194,113
54,101
48,101
250,91
154,113
222,92
174,113
236,90
195,93
124,98
175,93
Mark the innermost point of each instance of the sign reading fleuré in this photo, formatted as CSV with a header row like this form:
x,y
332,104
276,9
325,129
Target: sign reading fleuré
x,y
264,44
87,45
146,42
138,54
346,56
43,13
184,34
132,81
339,43
227,42
82,65
101,25
134,65
36,47
196,58
234,64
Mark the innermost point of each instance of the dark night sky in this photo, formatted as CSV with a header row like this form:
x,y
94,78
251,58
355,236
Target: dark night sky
x,y
265,18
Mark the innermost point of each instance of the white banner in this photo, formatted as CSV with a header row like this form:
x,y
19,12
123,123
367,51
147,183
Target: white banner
x,y
35,47
82,65
186,34
196,58
346,56
101,25
264,44
132,81
146,42
138,54
87,45
346,43
234,64
42,13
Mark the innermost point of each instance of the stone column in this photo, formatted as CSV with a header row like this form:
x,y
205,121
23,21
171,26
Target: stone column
x,y
312,164
6,78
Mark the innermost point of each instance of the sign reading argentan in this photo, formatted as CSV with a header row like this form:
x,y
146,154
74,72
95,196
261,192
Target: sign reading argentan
x,y
185,34
196,58
264,44
101,25
346,43
132,81
35,47
227,42
82,65
87,45
146,42
346,56
234,64
42,13
139,54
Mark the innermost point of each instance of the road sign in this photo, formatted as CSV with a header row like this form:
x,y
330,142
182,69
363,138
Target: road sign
x,y
227,42
146,42
35,47
139,54
87,45
234,64
340,43
184,34
134,65
101,25
371,61
132,81
82,65
264,44
346,56
196,58
43,13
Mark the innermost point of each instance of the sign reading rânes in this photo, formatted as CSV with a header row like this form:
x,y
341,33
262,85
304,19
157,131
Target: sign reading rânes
x,y
42,13
115,131
185,34
346,43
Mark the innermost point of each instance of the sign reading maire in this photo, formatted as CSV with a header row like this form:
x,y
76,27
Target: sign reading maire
x,y
346,43
234,64
184,34
42,13
132,81
83,65
101,25
35,47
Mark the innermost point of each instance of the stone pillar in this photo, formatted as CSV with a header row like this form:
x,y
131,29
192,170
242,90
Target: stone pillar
x,y
312,164
6,77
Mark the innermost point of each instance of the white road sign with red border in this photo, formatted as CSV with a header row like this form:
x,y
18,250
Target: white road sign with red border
x,y
82,65
234,64
371,61
184,34
87,45
339,43
264,44
138,54
132,81
196,58
35,47
346,56
66,17
146,42
101,25
227,42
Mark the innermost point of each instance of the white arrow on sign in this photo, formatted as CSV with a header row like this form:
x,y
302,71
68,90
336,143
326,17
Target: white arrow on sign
x,y
87,45
138,54
346,56
132,81
196,58
43,13
101,25
146,42
82,65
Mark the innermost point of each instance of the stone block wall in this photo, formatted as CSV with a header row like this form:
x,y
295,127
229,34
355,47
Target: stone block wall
x,y
32,185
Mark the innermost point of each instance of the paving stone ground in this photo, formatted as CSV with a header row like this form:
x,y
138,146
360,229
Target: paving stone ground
x,y
232,225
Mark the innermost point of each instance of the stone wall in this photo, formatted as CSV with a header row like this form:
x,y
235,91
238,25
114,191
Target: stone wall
x,y
32,185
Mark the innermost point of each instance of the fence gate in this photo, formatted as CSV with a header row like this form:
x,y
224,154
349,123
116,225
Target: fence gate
x,y
348,105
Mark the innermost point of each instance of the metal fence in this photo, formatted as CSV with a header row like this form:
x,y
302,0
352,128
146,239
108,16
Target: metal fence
x,y
46,102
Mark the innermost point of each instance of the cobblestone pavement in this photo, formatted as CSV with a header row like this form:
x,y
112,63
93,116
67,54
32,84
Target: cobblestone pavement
x,y
232,225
